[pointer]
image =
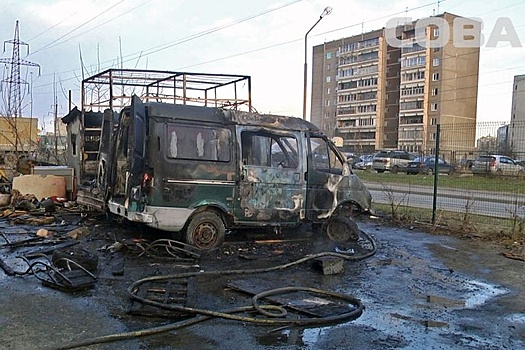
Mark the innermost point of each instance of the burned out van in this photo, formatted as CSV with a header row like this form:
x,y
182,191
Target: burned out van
x,y
185,157
203,171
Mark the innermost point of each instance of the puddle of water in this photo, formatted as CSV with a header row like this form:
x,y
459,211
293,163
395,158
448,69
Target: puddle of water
x,y
482,292
517,318
478,294
298,337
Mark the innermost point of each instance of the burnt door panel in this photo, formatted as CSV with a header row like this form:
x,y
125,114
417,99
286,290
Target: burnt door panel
x,y
272,187
137,149
325,174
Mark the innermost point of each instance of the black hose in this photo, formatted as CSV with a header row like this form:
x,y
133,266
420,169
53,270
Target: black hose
x,y
203,314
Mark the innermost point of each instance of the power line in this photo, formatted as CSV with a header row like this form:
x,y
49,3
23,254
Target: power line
x,y
51,45
14,100
79,26
159,48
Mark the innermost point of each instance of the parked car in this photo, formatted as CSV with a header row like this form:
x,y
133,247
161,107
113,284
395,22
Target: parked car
x,y
393,161
427,165
497,165
520,162
363,162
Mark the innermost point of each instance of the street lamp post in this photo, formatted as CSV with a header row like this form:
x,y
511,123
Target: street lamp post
x,y
326,12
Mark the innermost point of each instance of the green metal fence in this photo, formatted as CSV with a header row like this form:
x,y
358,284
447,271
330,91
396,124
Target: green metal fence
x,y
495,194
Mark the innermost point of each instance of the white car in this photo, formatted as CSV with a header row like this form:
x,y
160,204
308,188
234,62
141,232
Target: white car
x,y
497,165
364,162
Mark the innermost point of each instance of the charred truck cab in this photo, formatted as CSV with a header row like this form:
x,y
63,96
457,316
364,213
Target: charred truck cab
x,y
204,170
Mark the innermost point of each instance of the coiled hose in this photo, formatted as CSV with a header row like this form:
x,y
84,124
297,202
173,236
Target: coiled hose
x,y
275,316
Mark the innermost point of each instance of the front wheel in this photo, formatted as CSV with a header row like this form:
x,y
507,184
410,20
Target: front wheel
x,y
341,229
205,231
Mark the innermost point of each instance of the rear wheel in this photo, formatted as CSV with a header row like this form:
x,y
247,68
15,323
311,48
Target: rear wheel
x,y
395,169
205,231
429,171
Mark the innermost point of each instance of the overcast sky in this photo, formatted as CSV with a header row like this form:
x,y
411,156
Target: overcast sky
x,y
260,38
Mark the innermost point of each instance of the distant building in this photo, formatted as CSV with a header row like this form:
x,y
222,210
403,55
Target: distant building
x,y
502,140
18,134
487,144
517,119
377,96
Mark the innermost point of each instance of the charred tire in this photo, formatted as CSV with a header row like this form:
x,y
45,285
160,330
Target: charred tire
x,y
341,229
205,231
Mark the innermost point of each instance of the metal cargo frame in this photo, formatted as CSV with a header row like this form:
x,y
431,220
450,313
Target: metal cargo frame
x,y
113,89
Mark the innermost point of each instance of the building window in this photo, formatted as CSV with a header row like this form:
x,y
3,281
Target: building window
x,y
434,107
328,91
435,77
435,62
436,32
435,91
328,66
328,55
413,61
413,90
328,79
327,103
433,121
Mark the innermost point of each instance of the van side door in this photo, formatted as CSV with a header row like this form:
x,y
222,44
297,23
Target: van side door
x,y
272,187
138,128
325,173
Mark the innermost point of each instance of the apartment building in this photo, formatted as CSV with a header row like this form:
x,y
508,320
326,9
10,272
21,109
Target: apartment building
x,y
517,119
376,95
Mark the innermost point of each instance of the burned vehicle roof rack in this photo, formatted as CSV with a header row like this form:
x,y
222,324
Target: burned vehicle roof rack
x,y
113,89
110,91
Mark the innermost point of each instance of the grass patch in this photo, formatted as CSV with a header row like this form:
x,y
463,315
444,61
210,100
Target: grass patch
x,y
464,225
481,183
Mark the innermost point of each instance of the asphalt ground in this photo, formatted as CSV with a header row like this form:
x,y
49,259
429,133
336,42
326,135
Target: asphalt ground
x,y
419,290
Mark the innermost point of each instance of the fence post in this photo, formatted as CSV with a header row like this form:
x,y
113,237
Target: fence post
x,y
436,173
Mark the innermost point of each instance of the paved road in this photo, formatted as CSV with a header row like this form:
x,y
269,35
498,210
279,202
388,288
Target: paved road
x,y
503,205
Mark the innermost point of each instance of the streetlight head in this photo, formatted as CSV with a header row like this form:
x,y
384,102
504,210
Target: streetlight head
x,y
327,10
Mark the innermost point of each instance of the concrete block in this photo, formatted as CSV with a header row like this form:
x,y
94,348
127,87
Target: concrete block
x,y
330,265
